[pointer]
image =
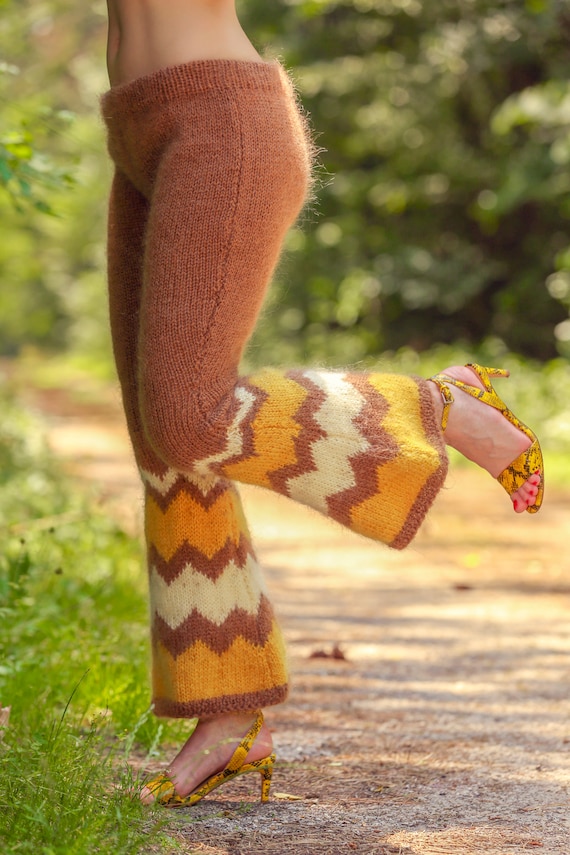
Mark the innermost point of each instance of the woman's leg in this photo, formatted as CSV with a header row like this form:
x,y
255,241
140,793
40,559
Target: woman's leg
x,y
209,608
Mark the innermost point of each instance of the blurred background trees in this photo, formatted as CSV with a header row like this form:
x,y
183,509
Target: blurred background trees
x,y
442,203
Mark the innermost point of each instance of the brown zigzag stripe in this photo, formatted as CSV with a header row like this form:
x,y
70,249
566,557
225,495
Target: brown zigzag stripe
x,y
311,431
382,448
253,628
222,704
212,568
435,482
247,430
183,485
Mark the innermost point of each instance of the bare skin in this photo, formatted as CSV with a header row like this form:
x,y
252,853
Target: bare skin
x,y
145,36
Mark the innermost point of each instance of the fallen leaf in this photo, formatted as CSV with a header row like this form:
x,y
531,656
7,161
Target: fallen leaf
x,y
288,797
335,653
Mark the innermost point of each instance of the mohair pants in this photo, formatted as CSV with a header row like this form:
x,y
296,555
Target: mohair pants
x,y
212,167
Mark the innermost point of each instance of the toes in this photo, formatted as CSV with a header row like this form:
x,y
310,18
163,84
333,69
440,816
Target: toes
x,y
146,796
528,491
519,504
526,494
521,500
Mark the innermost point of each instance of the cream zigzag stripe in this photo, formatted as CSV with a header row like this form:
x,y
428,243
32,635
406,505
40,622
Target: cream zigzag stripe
x,y
161,483
164,483
234,445
331,453
236,588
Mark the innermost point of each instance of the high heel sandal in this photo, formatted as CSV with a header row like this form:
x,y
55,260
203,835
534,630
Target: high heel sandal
x,y
164,791
528,463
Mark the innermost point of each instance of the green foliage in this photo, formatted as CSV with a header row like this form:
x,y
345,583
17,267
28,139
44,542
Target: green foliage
x,y
52,158
447,130
23,169
73,662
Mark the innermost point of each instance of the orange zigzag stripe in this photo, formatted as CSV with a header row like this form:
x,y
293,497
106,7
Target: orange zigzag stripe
x,y
274,428
200,673
211,567
183,485
187,522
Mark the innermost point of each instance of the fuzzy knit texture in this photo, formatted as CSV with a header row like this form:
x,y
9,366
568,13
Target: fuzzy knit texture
x,y
213,162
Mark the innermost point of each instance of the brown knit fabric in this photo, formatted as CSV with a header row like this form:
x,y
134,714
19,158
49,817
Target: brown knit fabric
x,y
220,151
213,164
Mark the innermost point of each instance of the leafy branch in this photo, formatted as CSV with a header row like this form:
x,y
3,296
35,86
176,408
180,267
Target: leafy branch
x,y
24,171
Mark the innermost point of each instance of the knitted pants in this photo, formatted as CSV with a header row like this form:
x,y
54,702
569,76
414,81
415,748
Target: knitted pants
x,y
212,166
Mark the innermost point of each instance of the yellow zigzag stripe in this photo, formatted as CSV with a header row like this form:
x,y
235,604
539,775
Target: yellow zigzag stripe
x,y
186,521
402,479
274,428
200,674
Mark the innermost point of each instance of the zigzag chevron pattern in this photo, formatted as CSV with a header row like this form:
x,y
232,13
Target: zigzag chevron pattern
x,y
358,448
207,595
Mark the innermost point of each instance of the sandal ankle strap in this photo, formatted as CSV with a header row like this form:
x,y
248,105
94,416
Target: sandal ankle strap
x,y
447,397
241,752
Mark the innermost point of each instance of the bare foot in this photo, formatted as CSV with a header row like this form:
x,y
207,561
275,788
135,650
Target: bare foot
x,y
483,435
210,749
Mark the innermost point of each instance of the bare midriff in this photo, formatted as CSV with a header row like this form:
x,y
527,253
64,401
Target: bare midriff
x,y
147,35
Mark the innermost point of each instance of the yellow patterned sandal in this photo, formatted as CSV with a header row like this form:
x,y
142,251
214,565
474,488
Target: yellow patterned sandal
x,y
526,464
165,793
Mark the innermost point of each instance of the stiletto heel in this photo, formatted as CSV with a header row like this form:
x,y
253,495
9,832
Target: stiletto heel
x,y
528,463
164,791
266,773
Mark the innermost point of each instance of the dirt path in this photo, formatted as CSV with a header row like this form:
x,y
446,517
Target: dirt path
x,y
445,727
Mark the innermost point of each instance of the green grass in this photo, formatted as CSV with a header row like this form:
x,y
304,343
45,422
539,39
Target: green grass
x,y
73,664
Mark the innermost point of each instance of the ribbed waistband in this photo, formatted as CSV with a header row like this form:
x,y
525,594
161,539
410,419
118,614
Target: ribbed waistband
x,y
177,81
